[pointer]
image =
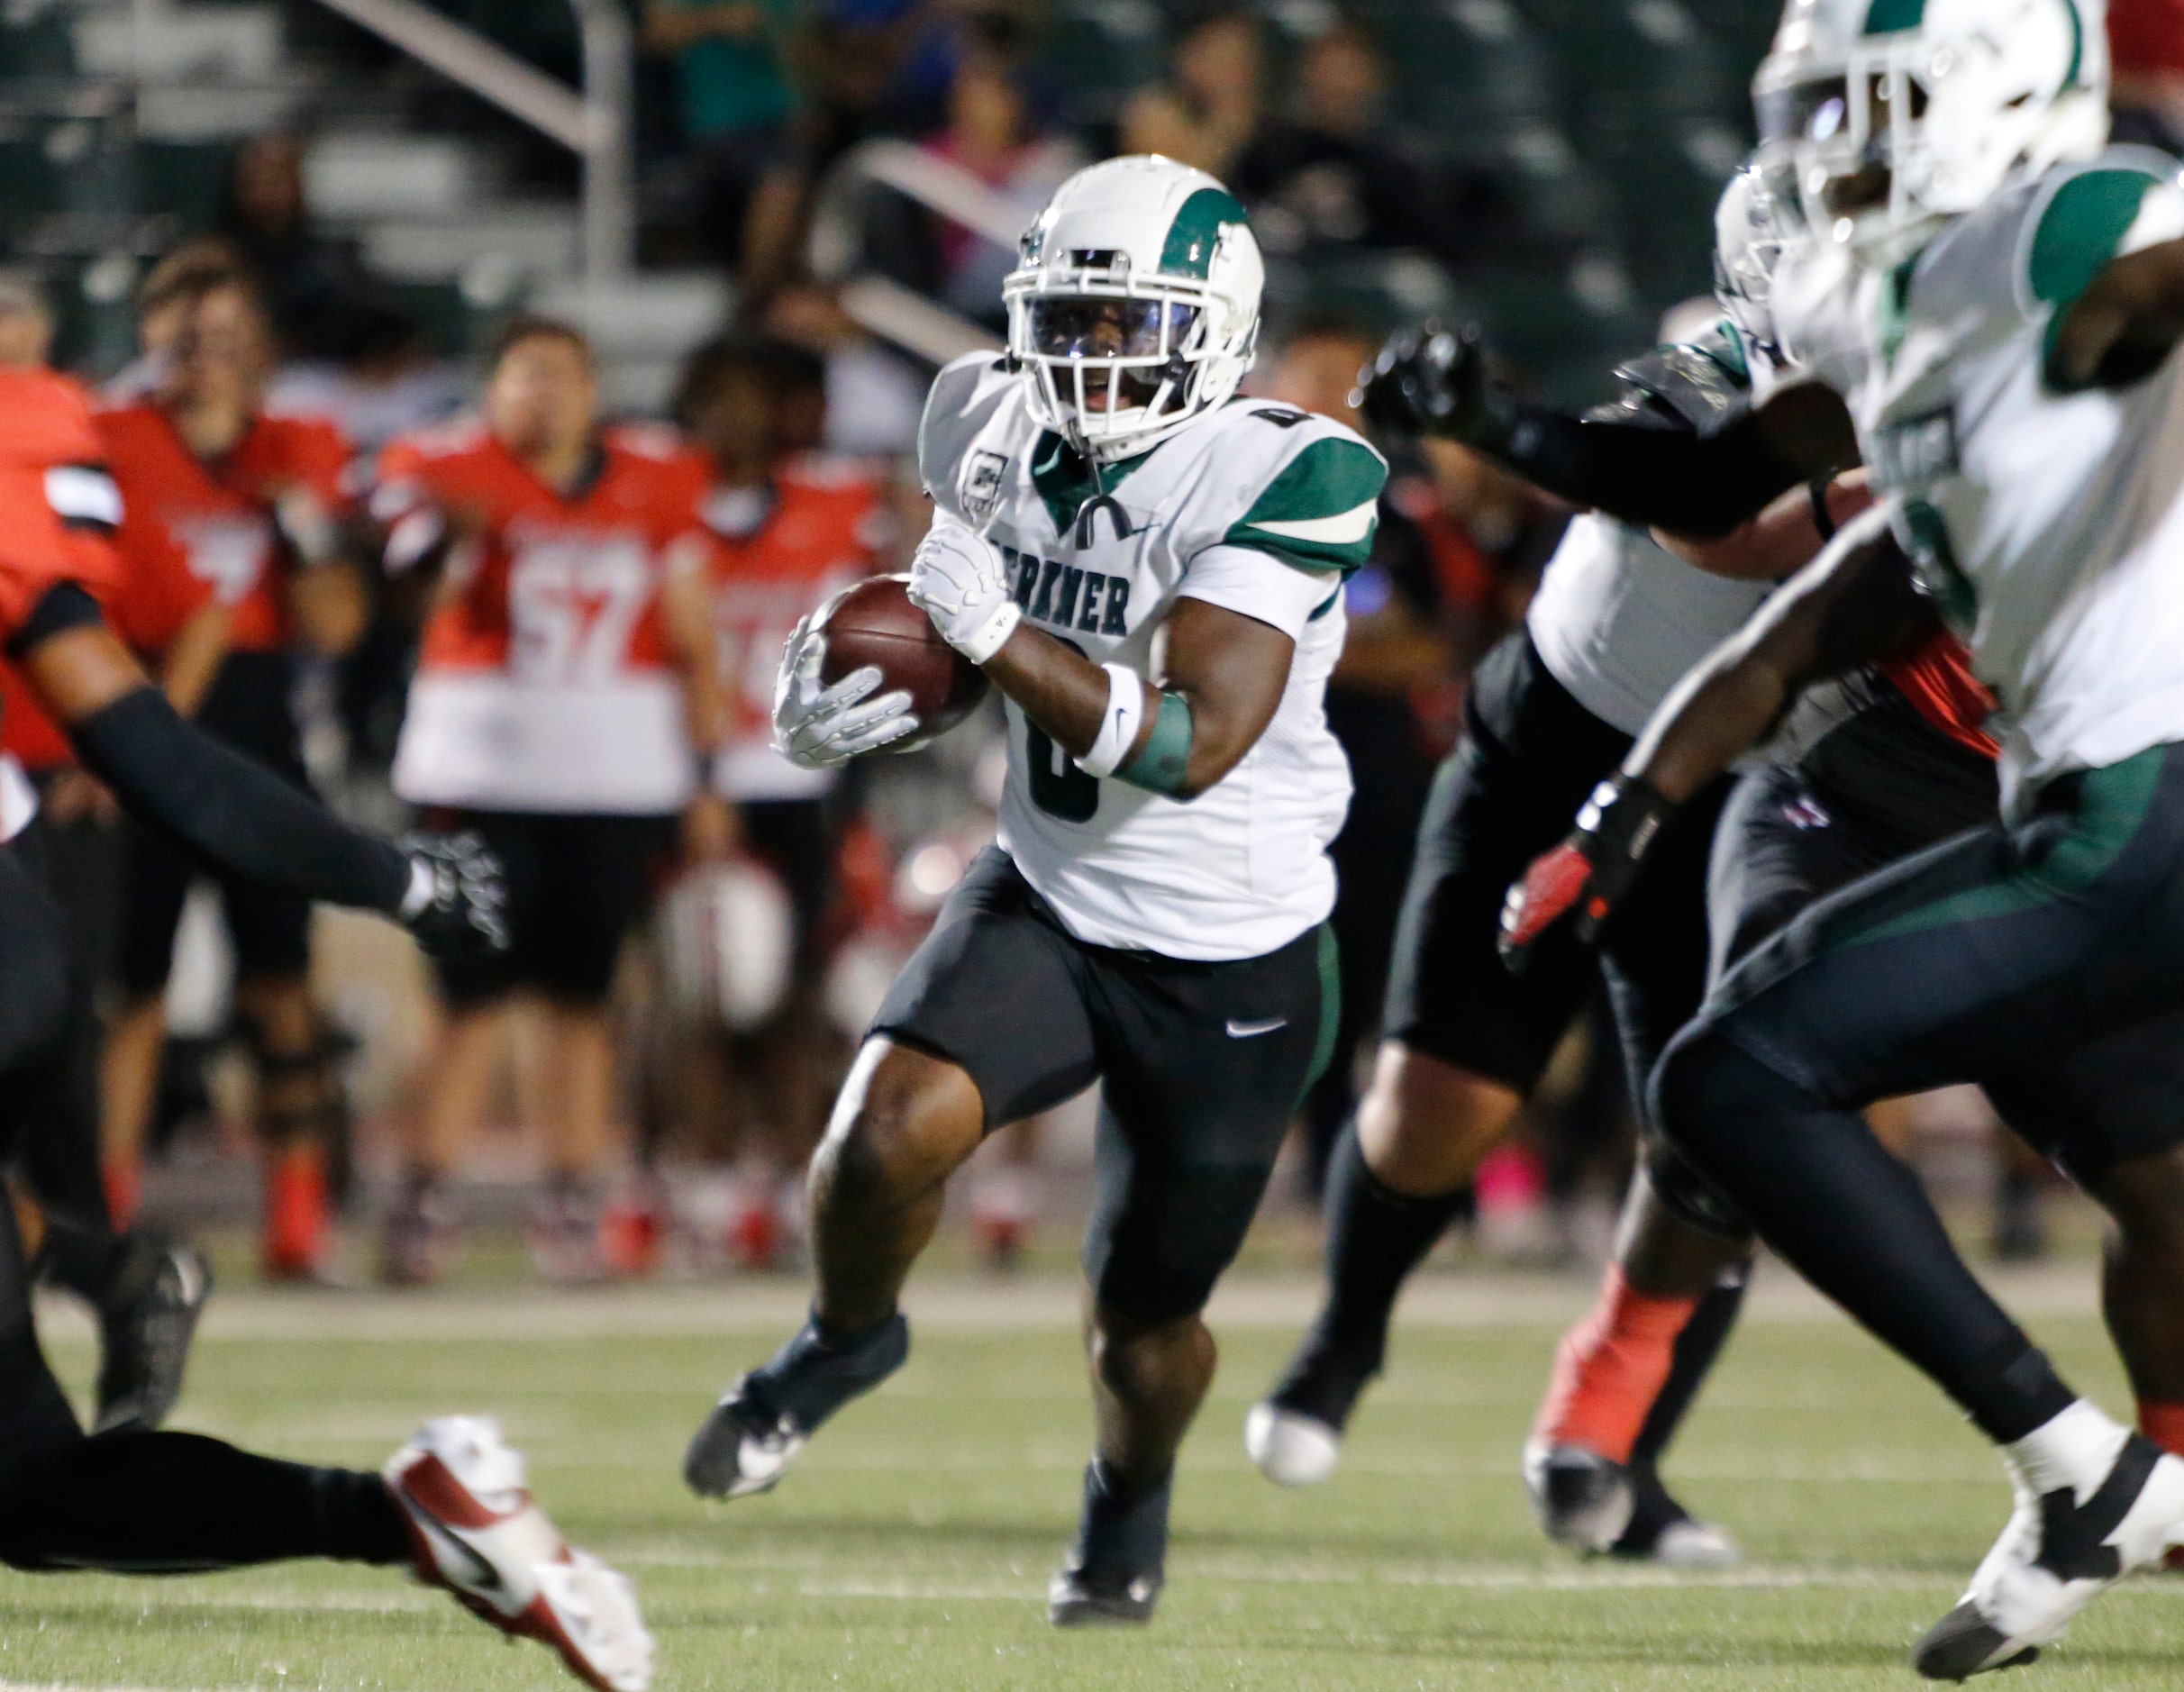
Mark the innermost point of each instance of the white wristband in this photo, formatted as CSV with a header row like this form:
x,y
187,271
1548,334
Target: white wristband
x,y
992,634
1118,728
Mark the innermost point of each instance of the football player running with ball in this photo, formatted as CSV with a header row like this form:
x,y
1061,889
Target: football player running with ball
x,y
1999,302
1150,571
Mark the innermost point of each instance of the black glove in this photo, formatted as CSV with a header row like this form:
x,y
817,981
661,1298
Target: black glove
x,y
1433,381
1589,872
457,905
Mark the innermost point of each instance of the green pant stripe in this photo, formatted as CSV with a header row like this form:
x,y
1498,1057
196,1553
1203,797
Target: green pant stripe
x,y
1331,1009
2112,804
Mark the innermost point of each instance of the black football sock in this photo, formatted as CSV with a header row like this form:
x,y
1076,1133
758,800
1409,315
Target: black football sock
x,y
816,1373
169,1502
1856,1223
1121,1535
1696,1347
1375,1236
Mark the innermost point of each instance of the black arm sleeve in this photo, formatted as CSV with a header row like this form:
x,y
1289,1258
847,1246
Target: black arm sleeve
x,y
1687,483
221,808
68,606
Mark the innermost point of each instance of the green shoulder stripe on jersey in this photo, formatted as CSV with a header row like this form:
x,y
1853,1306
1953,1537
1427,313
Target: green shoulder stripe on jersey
x,y
2084,222
1197,232
1320,513
1885,17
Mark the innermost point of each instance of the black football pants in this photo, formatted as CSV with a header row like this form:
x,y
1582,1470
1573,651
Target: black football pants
x,y
1995,957
133,1502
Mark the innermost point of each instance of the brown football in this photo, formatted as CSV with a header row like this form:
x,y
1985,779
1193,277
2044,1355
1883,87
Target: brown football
x,y
873,622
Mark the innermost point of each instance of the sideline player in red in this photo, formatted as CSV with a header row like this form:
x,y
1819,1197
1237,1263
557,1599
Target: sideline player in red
x,y
231,556
563,690
786,529
452,1504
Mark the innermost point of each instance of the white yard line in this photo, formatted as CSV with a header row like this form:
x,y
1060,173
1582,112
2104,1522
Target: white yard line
x,y
1465,1299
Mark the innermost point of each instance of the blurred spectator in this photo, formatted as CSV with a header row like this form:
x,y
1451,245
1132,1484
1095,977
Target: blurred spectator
x,y
1325,177
379,379
736,103
993,133
26,325
564,688
165,298
307,276
787,530
2146,46
874,395
1491,535
1209,115
1393,655
231,557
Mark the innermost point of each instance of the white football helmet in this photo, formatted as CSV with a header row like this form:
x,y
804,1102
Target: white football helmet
x,y
1751,231
1133,308
1893,114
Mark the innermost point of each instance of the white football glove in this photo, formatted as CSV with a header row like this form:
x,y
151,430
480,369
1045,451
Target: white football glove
x,y
817,727
956,578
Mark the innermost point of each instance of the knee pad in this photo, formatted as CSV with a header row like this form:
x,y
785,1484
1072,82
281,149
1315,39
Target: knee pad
x,y
1689,1197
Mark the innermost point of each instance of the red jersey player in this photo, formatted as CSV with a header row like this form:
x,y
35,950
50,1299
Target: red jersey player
x,y
231,549
563,691
450,1504
786,530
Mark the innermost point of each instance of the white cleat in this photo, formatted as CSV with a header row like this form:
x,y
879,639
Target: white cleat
x,y
2095,1502
475,1530
1291,1448
1693,1544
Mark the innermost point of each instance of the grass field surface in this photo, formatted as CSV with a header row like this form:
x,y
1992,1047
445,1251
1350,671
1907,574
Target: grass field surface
x,y
910,1547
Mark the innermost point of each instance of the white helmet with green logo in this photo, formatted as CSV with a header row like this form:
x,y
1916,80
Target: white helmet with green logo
x,y
1892,113
1135,304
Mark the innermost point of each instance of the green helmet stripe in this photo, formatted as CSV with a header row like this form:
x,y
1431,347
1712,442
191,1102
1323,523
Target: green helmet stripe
x,y
1885,17
2078,43
1196,231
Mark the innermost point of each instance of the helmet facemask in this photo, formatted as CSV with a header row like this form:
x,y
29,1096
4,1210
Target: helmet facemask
x,y
1117,362
1754,226
1899,129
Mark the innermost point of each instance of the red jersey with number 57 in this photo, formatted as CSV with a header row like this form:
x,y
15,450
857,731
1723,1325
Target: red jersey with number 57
x,y
544,681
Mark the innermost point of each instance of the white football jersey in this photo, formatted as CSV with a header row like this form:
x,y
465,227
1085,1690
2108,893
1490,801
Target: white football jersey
x,y
1619,619
2048,525
1256,507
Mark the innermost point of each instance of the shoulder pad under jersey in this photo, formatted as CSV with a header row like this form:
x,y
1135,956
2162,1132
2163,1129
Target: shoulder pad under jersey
x,y
1701,386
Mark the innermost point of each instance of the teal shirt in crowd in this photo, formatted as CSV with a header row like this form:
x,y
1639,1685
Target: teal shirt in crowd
x,y
732,85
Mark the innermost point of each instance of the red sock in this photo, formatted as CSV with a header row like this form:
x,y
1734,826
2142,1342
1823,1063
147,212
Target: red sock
x,y
1610,1367
124,1184
296,1212
2163,1421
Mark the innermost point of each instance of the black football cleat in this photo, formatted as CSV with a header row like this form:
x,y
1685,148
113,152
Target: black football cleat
x,y
1114,1575
147,1318
753,1434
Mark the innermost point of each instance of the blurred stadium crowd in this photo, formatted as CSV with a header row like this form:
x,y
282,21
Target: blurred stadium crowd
x,y
330,305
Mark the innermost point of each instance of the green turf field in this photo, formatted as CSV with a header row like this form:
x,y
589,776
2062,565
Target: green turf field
x,y
911,1547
